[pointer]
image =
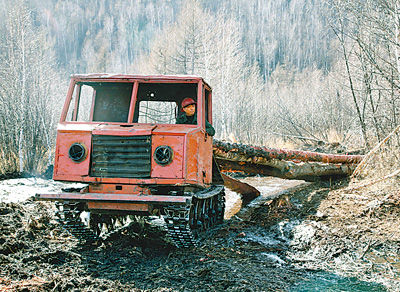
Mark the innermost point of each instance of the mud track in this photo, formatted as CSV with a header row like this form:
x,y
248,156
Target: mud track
x,y
251,254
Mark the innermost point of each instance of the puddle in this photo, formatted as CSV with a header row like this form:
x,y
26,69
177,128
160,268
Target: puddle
x,y
325,281
260,237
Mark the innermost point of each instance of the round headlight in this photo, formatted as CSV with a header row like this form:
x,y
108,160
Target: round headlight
x,y
77,152
163,155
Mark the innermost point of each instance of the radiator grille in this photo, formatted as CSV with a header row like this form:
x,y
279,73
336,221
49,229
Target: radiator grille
x,y
120,156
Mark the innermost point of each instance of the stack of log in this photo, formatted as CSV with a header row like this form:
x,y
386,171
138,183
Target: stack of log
x,y
283,163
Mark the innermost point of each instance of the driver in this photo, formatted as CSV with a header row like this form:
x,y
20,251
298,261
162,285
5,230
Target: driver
x,y
189,115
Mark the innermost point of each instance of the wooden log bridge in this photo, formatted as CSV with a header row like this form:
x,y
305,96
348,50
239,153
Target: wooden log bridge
x,y
284,163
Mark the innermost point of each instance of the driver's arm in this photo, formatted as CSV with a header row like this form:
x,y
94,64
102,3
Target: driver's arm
x,y
210,129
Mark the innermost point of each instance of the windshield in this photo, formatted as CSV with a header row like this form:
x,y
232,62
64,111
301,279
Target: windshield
x,y
111,101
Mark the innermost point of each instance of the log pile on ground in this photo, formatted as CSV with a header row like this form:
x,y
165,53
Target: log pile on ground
x,y
291,164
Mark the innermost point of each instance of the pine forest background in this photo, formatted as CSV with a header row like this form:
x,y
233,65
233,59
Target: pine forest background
x,y
326,70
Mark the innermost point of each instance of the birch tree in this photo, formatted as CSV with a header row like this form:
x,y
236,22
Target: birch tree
x,y
202,44
28,92
368,33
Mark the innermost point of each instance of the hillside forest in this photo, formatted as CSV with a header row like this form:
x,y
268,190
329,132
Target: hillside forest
x,y
323,70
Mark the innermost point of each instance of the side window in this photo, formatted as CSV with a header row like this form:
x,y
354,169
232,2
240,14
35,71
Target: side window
x,y
207,100
71,109
157,112
82,100
85,103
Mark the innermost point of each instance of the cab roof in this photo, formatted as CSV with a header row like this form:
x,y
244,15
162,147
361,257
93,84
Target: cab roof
x,y
134,77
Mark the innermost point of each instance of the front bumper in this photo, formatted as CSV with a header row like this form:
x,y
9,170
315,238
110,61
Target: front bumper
x,y
121,202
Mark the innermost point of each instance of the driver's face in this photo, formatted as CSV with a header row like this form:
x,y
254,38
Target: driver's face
x,y
190,110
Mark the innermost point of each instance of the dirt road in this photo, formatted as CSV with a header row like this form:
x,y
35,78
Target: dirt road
x,y
267,249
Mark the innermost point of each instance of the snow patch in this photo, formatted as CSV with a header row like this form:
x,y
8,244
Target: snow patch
x,y
274,258
261,238
21,189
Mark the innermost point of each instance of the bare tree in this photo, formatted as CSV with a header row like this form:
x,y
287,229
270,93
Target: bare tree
x,y
28,92
202,44
369,35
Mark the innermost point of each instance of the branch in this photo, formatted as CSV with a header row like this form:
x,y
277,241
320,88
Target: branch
x,y
370,183
367,157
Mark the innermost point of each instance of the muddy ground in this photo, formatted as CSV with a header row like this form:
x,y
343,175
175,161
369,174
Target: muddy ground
x,y
301,241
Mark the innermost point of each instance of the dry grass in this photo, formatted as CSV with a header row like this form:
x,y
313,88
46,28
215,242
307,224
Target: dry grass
x,y
334,136
378,173
8,162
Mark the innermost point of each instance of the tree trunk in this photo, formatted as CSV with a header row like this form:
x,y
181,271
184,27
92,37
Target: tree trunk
x,y
291,164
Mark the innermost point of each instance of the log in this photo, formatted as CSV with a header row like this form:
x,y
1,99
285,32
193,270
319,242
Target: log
x,y
286,169
285,154
283,163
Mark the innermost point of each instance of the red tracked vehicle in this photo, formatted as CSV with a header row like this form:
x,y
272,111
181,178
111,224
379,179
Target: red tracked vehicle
x,y
117,133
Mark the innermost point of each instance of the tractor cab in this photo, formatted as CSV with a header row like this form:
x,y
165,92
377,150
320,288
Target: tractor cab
x,y
118,134
122,129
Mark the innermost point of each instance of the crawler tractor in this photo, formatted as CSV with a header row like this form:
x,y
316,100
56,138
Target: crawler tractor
x,y
118,135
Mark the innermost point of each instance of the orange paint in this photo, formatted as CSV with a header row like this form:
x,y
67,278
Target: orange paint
x,y
119,156
63,164
118,206
175,168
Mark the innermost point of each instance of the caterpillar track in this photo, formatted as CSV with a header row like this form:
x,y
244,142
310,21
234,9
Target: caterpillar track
x,y
68,215
101,226
184,223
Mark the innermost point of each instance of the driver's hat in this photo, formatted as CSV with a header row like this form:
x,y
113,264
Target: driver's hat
x,y
187,101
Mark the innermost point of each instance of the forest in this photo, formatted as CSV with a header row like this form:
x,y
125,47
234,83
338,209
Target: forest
x,y
323,70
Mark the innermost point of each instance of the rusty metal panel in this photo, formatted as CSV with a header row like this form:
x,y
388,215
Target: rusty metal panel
x,y
118,189
68,100
174,130
117,130
192,156
64,165
118,206
175,168
198,157
141,78
67,127
151,181
205,158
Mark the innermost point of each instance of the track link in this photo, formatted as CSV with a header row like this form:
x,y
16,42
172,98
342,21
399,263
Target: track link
x,y
185,223
68,215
